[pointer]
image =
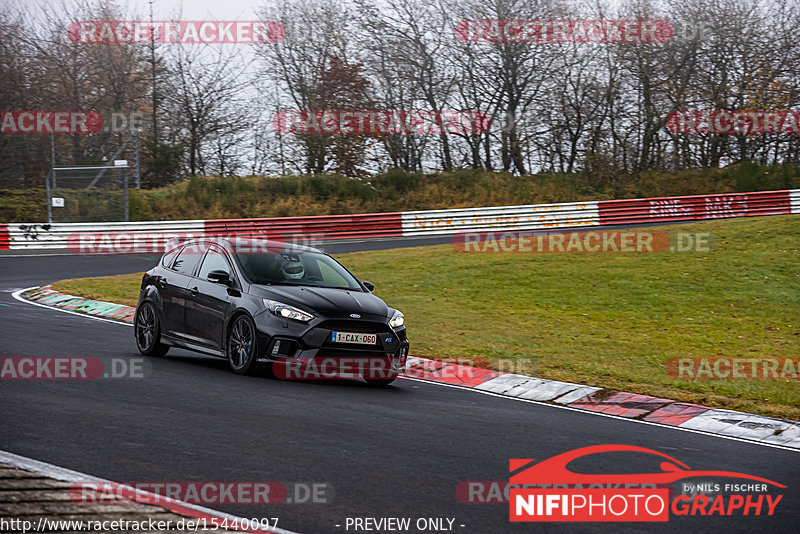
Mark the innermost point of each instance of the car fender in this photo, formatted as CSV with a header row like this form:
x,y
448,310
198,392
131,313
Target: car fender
x,y
234,313
151,294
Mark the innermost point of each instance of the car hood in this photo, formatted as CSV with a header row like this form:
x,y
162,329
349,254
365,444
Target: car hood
x,y
328,302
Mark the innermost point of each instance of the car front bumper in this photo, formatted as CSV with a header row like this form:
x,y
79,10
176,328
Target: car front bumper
x,y
310,346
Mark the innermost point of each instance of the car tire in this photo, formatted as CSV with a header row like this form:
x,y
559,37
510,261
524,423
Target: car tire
x,y
147,331
242,345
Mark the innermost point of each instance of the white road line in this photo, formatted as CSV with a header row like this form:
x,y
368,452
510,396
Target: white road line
x,y
601,414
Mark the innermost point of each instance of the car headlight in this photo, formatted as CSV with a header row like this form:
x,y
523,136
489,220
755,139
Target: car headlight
x,y
288,312
397,320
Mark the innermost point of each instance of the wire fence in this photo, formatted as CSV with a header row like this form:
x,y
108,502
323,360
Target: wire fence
x,y
88,194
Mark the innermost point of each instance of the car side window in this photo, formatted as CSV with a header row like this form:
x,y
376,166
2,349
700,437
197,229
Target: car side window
x,y
169,257
187,260
214,261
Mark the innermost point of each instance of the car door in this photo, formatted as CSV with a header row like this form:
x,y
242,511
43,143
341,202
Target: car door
x,y
172,287
208,302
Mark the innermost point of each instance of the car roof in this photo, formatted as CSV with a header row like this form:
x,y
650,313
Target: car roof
x,y
235,242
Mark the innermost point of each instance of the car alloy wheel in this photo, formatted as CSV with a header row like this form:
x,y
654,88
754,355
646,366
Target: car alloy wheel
x,y
147,332
242,345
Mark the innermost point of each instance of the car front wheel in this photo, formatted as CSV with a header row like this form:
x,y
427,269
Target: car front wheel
x,y
242,345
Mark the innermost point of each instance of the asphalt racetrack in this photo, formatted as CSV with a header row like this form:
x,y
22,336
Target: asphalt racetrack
x,y
399,451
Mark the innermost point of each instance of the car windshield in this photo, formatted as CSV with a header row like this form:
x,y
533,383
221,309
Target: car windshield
x,y
297,268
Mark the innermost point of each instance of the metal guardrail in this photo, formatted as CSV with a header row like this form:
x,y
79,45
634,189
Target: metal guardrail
x,y
314,227
411,223
530,217
696,207
794,200
62,235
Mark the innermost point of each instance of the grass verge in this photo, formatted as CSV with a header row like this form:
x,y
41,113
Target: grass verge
x,y
608,320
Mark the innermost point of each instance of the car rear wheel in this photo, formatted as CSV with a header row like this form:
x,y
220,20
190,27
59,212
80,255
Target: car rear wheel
x,y
242,345
147,331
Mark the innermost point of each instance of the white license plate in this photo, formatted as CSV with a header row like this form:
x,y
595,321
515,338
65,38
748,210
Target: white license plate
x,y
351,337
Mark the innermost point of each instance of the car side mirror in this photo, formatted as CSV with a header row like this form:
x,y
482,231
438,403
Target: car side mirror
x,y
369,285
219,277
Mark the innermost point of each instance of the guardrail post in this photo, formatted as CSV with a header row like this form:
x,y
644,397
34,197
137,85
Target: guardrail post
x,y
136,158
126,172
49,201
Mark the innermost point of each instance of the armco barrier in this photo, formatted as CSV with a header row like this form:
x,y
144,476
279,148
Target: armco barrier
x,y
315,228
531,217
116,236
64,235
689,208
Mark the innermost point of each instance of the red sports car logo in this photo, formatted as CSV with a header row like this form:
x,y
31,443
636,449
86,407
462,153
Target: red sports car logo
x,y
554,470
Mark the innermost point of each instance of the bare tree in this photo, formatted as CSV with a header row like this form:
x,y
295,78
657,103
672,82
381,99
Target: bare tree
x,y
316,30
207,95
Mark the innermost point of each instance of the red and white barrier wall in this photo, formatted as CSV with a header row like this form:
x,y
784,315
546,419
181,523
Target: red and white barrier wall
x,y
698,207
530,217
323,227
20,236
145,235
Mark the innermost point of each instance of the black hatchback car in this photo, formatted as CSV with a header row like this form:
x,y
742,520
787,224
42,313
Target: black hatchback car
x,y
256,301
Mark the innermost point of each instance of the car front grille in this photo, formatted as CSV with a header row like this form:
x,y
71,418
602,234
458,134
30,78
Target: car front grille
x,y
359,327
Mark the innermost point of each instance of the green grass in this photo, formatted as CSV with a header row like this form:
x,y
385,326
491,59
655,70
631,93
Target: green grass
x,y
120,289
609,320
